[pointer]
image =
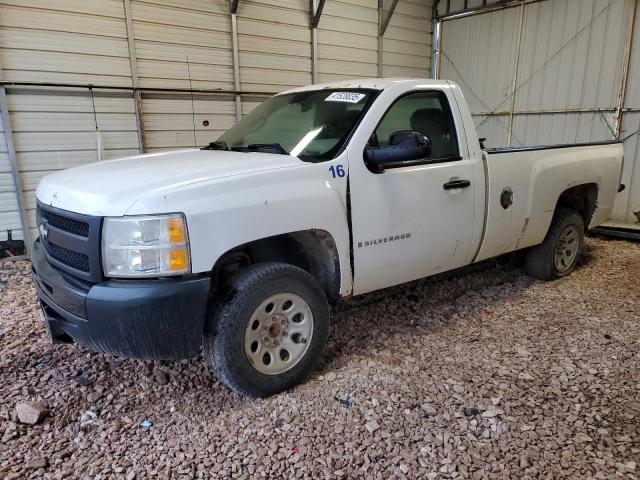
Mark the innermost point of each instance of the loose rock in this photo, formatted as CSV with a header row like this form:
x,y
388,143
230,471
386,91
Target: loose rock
x,y
37,463
372,426
31,413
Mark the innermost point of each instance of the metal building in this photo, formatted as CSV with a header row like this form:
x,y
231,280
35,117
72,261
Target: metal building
x,y
89,81
549,71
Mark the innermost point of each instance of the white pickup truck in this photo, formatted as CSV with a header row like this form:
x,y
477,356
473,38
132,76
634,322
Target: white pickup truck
x,y
321,192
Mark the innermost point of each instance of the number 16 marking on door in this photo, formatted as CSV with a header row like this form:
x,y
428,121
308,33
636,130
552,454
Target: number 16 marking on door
x,y
337,171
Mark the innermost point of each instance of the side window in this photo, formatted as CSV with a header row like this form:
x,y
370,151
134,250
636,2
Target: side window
x,y
425,112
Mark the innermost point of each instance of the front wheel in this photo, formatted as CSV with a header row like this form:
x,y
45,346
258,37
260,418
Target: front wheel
x,y
269,331
558,255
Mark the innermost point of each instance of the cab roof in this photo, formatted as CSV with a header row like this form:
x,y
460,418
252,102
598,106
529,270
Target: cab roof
x,y
371,83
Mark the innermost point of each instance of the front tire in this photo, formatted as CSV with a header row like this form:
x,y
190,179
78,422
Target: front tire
x,y
269,331
558,255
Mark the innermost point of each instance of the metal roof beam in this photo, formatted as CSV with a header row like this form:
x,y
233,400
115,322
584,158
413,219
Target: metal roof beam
x,y
386,16
486,7
316,13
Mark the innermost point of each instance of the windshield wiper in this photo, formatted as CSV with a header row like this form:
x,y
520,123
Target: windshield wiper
x,y
217,145
268,148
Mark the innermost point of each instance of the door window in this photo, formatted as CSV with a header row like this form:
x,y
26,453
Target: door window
x,y
424,112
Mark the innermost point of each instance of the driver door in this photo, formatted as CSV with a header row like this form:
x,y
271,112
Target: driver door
x,y
408,222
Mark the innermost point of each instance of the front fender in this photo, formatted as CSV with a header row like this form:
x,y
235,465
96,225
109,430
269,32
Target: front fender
x,y
225,213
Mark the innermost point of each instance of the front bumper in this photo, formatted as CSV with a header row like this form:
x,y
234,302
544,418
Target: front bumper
x,y
149,319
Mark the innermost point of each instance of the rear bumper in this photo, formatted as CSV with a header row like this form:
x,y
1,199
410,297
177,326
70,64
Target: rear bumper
x,y
150,319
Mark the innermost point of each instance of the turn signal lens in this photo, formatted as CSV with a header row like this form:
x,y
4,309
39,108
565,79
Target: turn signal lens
x,y
178,259
176,230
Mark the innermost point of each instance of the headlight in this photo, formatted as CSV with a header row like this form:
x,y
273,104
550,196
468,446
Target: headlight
x,y
145,246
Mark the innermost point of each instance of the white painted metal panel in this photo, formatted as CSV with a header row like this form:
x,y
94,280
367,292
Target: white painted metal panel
x,y
67,41
348,41
407,41
479,54
494,129
274,43
179,45
559,128
170,121
571,54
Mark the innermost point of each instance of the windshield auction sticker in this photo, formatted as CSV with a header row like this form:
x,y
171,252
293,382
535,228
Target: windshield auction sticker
x,y
348,97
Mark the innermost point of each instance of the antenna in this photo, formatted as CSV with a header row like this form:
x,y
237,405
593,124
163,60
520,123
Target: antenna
x,y
95,121
193,110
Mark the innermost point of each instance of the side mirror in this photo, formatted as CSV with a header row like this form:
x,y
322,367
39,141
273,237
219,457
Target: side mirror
x,y
405,148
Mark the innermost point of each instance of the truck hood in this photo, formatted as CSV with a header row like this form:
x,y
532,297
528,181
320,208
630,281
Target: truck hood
x,y
111,187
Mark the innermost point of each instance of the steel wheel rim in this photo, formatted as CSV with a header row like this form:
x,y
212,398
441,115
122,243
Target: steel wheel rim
x,y
278,333
566,248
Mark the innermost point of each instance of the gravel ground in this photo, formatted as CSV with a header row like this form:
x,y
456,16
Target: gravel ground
x,y
482,374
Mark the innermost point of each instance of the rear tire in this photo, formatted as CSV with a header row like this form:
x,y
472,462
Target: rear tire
x,y
558,255
269,331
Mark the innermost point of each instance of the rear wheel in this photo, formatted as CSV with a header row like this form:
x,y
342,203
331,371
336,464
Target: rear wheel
x,y
558,255
269,331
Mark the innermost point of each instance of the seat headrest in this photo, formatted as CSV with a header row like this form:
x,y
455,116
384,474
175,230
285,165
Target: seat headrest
x,y
425,116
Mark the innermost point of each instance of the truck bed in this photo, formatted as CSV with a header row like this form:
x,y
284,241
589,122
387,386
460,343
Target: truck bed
x,y
535,177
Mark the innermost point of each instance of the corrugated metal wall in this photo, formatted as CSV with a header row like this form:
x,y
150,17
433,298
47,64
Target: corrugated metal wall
x,y
405,40
9,212
274,44
166,48
565,62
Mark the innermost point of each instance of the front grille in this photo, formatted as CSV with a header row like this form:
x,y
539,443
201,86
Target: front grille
x,y
75,260
70,225
71,241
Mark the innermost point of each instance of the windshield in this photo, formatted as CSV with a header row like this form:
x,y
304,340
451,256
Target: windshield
x,y
312,125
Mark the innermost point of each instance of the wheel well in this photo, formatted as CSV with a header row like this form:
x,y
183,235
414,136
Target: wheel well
x,y
581,198
312,250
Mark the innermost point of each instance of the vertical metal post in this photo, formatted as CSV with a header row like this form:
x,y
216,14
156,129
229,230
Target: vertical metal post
x,y
137,94
435,47
314,42
380,36
624,76
13,164
236,62
514,84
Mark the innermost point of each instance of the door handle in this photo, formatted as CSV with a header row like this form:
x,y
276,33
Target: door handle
x,y
453,184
